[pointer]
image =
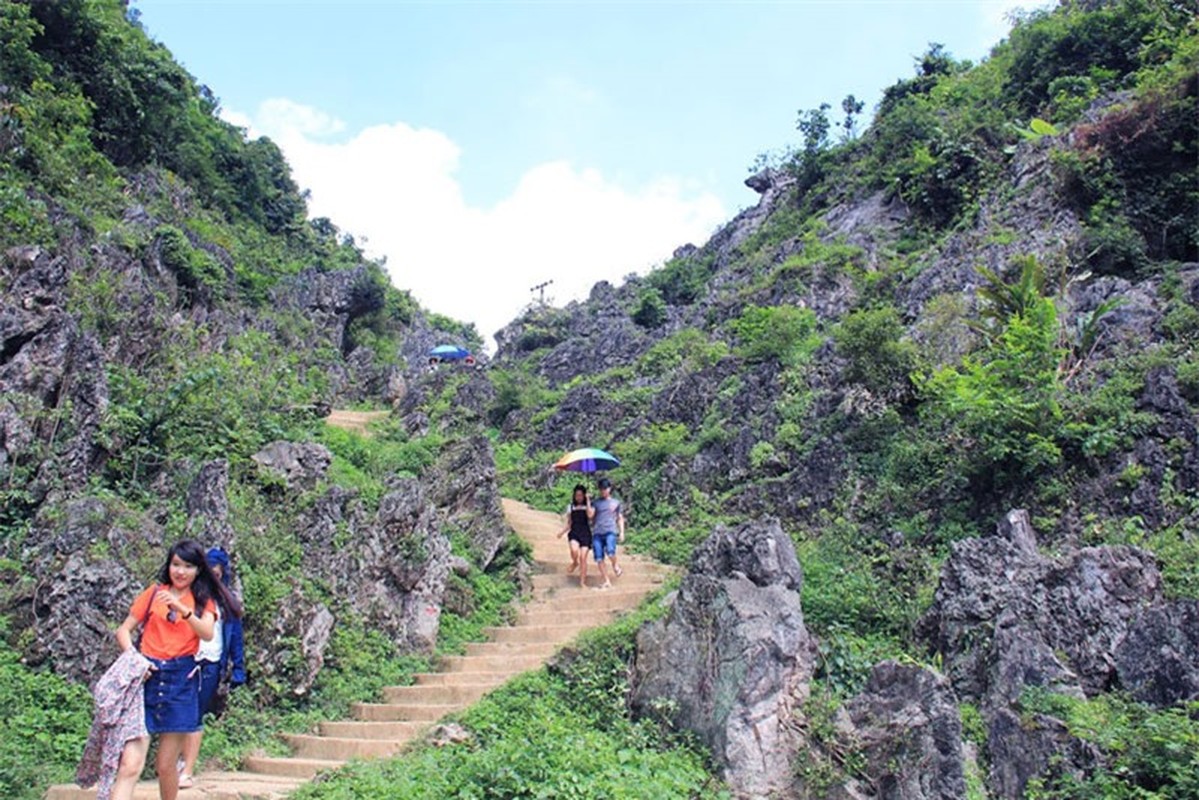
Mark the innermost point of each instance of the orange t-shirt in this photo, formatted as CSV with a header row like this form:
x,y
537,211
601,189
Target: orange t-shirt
x,y
162,638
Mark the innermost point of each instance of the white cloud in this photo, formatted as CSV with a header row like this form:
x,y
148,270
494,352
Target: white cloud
x,y
395,187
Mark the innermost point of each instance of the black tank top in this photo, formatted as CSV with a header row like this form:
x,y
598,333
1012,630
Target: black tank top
x,y
579,524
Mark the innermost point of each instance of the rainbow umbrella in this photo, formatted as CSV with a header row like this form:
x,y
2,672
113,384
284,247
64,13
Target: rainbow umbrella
x,y
588,459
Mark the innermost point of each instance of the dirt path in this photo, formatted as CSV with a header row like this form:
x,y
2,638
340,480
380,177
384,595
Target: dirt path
x,y
356,421
557,612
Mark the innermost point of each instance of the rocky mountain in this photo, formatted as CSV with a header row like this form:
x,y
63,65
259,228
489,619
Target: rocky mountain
x,y
964,311
921,424
172,331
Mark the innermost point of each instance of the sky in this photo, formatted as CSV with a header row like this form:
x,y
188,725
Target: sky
x,y
487,147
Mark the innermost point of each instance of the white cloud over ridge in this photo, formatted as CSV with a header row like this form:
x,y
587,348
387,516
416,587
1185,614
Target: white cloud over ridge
x,y
394,188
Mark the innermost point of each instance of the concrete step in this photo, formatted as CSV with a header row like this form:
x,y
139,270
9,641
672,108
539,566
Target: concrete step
x,y
513,664
403,730
564,616
437,695
306,768
209,786
494,678
333,748
530,634
509,649
631,569
626,582
387,712
614,599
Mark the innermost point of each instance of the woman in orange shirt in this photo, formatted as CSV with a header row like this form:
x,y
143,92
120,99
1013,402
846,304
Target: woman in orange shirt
x,y
175,614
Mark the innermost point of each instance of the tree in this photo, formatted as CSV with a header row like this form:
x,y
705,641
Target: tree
x,y
852,108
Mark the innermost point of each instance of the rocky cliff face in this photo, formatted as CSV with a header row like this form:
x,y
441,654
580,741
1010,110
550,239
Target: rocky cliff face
x,y
74,320
733,662
713,428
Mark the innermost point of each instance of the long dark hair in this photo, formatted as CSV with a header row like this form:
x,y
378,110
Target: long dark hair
x,y
575,493
206,586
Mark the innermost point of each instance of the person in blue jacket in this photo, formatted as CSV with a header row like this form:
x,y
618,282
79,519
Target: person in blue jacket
x,y
222,661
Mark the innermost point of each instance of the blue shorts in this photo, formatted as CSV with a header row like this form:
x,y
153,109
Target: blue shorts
x,y
603,544
173,696
210,679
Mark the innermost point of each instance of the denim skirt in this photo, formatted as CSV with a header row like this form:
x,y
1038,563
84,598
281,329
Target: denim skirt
x,y
173,696
210,679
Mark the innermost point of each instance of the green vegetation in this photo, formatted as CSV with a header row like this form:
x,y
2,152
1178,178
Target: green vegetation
x,y
1149,753
883,399
43,727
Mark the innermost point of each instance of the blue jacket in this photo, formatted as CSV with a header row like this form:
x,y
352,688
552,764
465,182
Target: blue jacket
x,y
233,654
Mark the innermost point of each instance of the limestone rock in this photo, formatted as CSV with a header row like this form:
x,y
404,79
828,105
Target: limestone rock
x,y
906,726
208,505
1158,660
299,465
462,486
73,614
1039,746
732,658
1067,613
296,639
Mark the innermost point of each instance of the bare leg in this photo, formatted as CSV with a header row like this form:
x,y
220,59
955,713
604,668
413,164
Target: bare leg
x,y
616,570
583,571
133,759
603,574
170,746
191,752
574,556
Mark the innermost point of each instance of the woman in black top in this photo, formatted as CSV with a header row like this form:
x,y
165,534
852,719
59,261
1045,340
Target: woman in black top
x,y
578,525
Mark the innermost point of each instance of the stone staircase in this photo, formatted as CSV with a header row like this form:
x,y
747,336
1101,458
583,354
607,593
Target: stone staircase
x,y
557,612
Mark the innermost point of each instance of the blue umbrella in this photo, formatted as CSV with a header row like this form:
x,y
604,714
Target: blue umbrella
x,y
449,352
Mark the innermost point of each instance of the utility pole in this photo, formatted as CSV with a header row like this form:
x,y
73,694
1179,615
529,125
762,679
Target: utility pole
x,y
540,289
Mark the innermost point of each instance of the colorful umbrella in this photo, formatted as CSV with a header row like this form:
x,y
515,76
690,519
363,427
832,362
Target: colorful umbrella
x,y
588,459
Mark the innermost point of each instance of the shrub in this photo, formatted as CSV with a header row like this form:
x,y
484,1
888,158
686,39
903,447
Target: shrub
x,y
775,333
681,280
651,309
43,724
879,358
194,268
1148,752
689,350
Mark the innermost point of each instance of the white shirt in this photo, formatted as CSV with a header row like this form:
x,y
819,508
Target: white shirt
x,y
211,650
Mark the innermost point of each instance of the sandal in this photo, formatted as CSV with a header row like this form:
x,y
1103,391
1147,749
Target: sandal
x,y
619,571
185,781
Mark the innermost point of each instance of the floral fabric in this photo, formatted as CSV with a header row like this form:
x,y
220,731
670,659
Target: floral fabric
x,y
120,715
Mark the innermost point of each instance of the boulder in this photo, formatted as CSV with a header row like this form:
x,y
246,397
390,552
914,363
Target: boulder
x,y
299,465
390,567
906,727
1005,617
1031,745
208,505
73,615
292,649
1158,659
462,486
732,659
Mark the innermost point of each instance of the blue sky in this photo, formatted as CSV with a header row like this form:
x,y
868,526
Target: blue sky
x,y
487,146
